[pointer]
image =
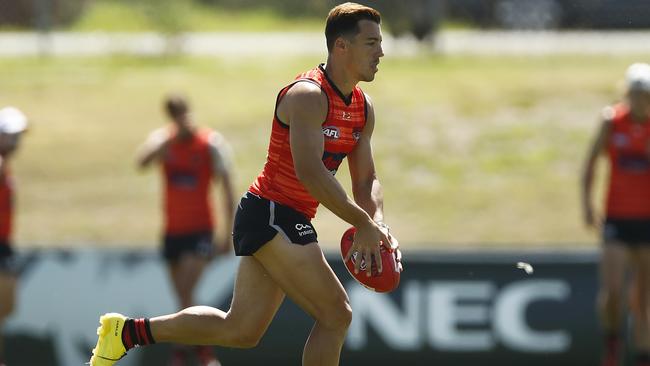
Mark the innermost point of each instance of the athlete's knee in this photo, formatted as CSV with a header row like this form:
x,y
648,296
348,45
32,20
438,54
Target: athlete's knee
x,y
245,336
243,333
336,317
641,301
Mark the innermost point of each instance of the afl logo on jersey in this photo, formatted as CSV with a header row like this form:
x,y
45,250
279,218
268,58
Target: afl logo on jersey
x,y
331,132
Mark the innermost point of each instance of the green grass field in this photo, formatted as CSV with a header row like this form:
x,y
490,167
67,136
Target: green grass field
x,y
470,150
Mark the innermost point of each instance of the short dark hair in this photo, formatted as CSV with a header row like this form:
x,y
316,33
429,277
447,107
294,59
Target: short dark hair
x,y
176,105
343,20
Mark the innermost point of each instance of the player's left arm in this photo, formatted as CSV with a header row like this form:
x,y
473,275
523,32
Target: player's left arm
x,y
222,173
366,188
3,163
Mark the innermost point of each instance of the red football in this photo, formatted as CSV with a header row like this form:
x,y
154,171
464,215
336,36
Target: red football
x,y
385,281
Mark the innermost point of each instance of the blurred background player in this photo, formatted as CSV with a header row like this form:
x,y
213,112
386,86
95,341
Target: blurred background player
x,y
12,125
624,138
191,159
320,118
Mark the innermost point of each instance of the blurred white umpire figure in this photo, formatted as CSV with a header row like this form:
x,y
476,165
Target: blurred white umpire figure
x,y
13,124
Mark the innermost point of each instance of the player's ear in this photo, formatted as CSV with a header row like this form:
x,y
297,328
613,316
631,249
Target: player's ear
x,y
341,44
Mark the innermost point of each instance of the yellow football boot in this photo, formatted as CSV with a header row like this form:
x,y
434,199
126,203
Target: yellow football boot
x,y
109,348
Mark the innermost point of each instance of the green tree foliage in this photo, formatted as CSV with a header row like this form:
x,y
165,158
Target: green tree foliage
x,y
418,17
284,7
42,14
168,16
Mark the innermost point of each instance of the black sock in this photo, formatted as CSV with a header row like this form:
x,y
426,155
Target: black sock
x,y
612,343
643,358
137,332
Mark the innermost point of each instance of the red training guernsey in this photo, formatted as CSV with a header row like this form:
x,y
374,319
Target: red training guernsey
x,y
6,206
629,157
346,118
187,170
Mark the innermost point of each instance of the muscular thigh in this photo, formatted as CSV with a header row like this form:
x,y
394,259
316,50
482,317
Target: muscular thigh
x,y
256,297
197,244
304,274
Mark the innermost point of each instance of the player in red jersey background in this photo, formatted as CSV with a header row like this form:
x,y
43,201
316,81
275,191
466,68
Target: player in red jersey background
x,y
191,158
12,125
624,139
320,118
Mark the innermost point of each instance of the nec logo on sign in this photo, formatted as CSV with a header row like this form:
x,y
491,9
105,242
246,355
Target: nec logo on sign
x,y
460,316
331,132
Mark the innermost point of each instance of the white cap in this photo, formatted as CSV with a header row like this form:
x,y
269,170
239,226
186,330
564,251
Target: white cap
x,y
12,120
638,77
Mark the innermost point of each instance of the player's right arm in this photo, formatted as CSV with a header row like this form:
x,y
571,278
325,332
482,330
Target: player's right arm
x,y
597,148
153,149
10,144
222,172
304,107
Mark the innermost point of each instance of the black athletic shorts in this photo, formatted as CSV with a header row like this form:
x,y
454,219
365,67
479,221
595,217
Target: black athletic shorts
x,y
199,244
258,220
7,258
632,232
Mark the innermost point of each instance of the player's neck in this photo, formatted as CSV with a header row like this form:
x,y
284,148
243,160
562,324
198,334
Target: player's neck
x,y
185,134
340,77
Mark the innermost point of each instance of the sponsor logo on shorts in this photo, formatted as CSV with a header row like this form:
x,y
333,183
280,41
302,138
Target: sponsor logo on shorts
x,y
204,246
304,229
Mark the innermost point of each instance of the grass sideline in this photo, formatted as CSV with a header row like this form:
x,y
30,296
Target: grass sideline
x,y
470,150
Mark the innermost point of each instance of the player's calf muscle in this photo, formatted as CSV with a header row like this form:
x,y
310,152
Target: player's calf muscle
x,y
206,326
196,324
